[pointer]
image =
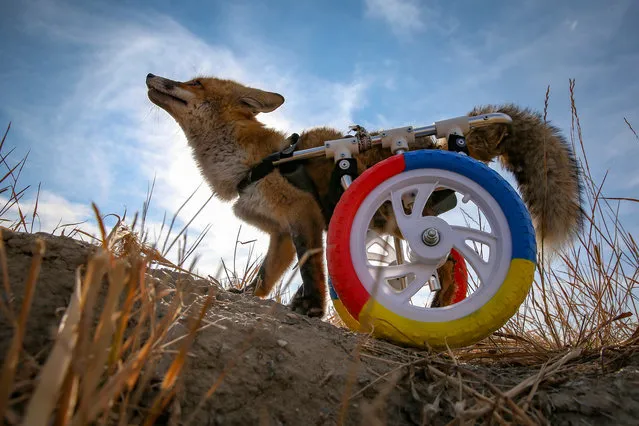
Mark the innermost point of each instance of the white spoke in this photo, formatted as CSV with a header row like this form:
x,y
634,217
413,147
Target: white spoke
x,y
424,192
387,249
377,257
465,233
421,271
479,265
392,271
380,242
398,206
421,279
374,244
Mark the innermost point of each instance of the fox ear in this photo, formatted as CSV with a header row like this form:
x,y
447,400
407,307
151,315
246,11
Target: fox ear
x,y
262,101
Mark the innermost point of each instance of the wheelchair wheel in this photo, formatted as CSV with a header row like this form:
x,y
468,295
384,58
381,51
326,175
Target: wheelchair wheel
x,y
501,259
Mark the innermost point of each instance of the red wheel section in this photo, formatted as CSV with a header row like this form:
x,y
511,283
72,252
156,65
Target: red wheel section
x,y
338,255
460,277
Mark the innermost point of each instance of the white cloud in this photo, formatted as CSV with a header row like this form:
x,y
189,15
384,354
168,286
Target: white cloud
x,y
403,16
54,214
108,106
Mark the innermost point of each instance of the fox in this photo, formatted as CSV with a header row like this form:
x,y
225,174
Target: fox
x,y
219,119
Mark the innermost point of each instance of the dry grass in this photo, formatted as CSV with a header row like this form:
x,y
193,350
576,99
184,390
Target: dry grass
x,y
110,328
109,336
9,186
583,305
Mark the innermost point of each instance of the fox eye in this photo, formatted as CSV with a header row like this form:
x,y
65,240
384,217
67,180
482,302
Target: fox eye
x,y
195,83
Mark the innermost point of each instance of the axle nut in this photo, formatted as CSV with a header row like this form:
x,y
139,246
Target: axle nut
x,y
430,237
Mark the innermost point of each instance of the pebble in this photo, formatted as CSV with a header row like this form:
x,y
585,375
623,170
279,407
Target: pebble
x,y
282,343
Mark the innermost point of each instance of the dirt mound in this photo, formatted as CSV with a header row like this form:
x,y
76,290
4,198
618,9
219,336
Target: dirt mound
x,y
262,364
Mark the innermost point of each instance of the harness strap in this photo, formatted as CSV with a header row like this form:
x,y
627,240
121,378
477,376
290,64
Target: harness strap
x,y
266,166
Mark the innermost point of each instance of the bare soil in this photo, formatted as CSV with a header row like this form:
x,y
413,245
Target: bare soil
x,y
275,367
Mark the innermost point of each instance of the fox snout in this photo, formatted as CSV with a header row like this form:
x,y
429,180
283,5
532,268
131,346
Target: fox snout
x,y
152,81
155,82
167,94
159,83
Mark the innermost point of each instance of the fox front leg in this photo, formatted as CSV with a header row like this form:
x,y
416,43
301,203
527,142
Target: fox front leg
x,y
279,256
281,253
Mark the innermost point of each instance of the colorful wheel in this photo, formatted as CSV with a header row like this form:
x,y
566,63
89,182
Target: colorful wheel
x,y
500,254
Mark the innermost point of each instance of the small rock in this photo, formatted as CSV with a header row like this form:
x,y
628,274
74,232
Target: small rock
x,y
291,319
223,296
282,343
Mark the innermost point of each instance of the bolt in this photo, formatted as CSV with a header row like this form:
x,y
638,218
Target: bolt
x,y
461,142
410,129
384,134
342,155
399,143
343,164
328,145
353,142
430,237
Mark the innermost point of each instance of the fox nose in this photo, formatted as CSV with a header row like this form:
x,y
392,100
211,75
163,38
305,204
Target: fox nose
x,y
149,76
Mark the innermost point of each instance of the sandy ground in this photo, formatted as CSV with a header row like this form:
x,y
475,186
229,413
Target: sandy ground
x,y
275,367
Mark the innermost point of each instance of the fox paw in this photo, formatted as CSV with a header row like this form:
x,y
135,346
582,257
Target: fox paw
x,y
310,305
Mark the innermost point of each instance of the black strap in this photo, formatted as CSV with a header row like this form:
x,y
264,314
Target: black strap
x,y
266,166
335,189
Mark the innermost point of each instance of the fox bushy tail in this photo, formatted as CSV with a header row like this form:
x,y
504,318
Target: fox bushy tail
x,y
544,165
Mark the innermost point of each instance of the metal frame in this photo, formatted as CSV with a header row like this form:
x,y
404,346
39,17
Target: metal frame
x,y
346,147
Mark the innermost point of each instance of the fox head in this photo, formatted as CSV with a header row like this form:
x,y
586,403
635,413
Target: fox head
x,y
218,119
212,97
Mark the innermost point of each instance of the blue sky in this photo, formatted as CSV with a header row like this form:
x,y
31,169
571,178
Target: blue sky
x,y
72,84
